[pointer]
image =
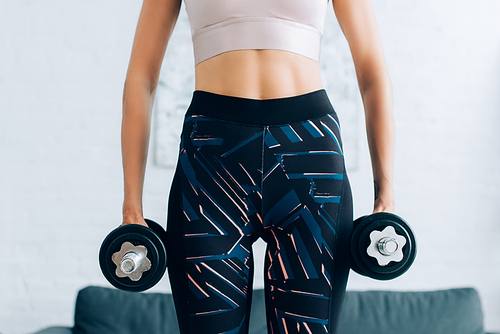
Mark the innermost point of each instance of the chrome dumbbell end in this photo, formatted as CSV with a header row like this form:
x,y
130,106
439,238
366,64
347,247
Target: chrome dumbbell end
x,y
131,261
386,246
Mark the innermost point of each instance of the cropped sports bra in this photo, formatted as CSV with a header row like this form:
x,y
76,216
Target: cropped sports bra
x,y
219,26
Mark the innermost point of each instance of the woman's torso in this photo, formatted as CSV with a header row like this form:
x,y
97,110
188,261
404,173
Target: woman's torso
x,y
258,74
257,49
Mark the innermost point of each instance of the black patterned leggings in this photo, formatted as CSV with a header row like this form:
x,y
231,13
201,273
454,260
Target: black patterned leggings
x,y
259,168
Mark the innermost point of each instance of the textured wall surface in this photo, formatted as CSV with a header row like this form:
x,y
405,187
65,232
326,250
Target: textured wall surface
x,y
62,68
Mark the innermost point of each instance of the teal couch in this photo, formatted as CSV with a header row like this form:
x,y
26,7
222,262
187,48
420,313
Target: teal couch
x,y
456,311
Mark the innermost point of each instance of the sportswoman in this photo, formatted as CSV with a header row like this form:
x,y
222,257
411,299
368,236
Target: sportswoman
x,y
261,156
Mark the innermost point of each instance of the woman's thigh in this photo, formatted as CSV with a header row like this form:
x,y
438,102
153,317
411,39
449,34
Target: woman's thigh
x,y
307,220
213,219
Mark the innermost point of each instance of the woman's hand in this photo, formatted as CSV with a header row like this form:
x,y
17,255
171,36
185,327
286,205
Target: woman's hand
x,y
134,219
384,200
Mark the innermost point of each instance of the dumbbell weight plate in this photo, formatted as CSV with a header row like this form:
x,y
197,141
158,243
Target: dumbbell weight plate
x,y
160,231
356,254
392,269
151,238
366,265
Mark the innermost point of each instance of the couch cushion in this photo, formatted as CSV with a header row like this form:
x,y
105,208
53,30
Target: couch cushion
x,y
55,330
109,311
456,311
258,324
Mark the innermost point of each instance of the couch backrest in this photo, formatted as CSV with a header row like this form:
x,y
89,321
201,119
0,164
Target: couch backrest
x,y
457,311
110,311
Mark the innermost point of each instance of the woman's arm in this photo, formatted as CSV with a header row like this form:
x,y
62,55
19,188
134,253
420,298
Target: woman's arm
x,y
155,26
357,21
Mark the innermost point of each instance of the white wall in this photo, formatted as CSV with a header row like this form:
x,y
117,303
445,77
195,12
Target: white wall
x,y
62,67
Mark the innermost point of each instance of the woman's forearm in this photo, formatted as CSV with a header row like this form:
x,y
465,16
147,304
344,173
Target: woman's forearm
x,y
358,22
380,127
155,25
137,104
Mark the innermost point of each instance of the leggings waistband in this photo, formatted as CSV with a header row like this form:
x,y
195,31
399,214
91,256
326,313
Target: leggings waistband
x,y
275,111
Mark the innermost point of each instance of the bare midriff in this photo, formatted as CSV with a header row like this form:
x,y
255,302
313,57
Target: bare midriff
x,y
258,74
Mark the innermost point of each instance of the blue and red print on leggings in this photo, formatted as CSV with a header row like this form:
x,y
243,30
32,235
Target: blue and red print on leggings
x,y
236,182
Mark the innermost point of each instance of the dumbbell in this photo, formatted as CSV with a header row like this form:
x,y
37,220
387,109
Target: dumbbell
x,y
133,257
383,246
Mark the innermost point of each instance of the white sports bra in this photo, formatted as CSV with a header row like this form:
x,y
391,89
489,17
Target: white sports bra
x,y
219,26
